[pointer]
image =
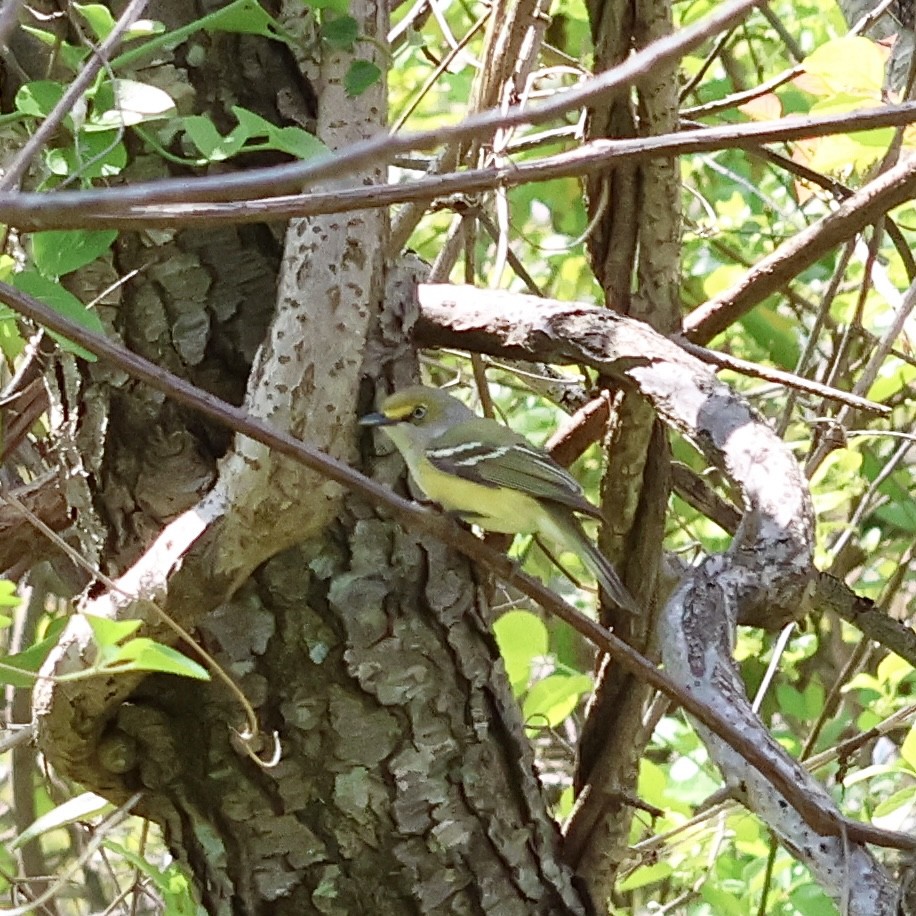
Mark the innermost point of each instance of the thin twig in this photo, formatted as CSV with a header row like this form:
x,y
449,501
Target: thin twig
x,y
825,821
80,84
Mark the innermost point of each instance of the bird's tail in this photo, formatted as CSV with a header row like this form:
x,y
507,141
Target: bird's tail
x,y
573,536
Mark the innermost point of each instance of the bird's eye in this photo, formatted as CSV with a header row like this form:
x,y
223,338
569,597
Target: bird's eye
x,y
419,412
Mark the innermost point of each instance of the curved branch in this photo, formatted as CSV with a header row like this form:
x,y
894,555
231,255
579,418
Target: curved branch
x,y
78,719
766,570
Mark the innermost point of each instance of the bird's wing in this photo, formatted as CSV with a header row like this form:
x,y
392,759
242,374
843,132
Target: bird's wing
x,y
507,461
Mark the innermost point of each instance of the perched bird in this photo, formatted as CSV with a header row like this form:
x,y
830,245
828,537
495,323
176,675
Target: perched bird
x,y
491,476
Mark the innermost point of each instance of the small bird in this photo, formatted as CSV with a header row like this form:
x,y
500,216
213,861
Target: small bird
x,y
491,476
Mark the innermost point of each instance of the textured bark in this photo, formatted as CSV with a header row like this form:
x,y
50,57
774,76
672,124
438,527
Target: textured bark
x,y
635,254
766,571
405,781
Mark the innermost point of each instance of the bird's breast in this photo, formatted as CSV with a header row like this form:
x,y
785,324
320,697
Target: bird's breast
x,y
498,509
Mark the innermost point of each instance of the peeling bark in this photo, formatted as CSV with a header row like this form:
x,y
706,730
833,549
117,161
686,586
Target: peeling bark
x,y
766,571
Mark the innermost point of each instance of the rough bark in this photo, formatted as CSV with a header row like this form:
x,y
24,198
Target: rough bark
x,y
767,569
635,255
405,781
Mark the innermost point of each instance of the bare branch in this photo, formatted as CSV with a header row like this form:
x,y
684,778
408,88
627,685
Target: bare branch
x,y
148,205
373,152
149,578
870,203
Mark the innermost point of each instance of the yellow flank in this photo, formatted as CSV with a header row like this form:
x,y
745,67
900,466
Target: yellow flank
x,y
496,509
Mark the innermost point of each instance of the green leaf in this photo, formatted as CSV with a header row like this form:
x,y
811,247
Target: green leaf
x,y
209,141
108,633
99,18
8,596
341,32
30,660
171,883
522,637
291,140
144,28
212,145
245,17
38,98
722,902
645,875
775,334
11,343
96,154
851,64
297,142
60,252
552,699
361,75
69,812
812,901
903,798
893,377
144,654
123,102
65,303
892,670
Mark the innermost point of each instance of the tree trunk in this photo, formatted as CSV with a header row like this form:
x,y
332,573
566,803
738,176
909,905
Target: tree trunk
x,y
403,781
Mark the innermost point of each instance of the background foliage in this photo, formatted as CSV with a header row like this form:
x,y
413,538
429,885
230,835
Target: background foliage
x,y
819,684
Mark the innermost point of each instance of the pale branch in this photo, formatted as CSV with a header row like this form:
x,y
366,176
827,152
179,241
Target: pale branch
x,y
150,578
828,592
769,275
142,205
767,570
374,151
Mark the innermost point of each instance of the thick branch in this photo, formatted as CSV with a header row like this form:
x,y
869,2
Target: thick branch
x,y
767,568
181,541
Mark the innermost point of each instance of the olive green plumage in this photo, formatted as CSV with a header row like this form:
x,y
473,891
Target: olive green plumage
x,y
491,476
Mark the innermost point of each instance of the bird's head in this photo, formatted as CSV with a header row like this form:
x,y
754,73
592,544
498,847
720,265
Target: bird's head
x,y
418,412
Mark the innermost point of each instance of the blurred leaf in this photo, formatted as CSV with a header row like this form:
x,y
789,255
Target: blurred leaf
x,y
812,901
904,799
723,903
552,699
8,596
522,637
81,808
341,32
171,883
59,252
54,295
123,103
245,17
851,64
31,659
777,335
644,876
361,75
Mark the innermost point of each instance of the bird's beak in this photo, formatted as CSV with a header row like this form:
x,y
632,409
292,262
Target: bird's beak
x,y
376,419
